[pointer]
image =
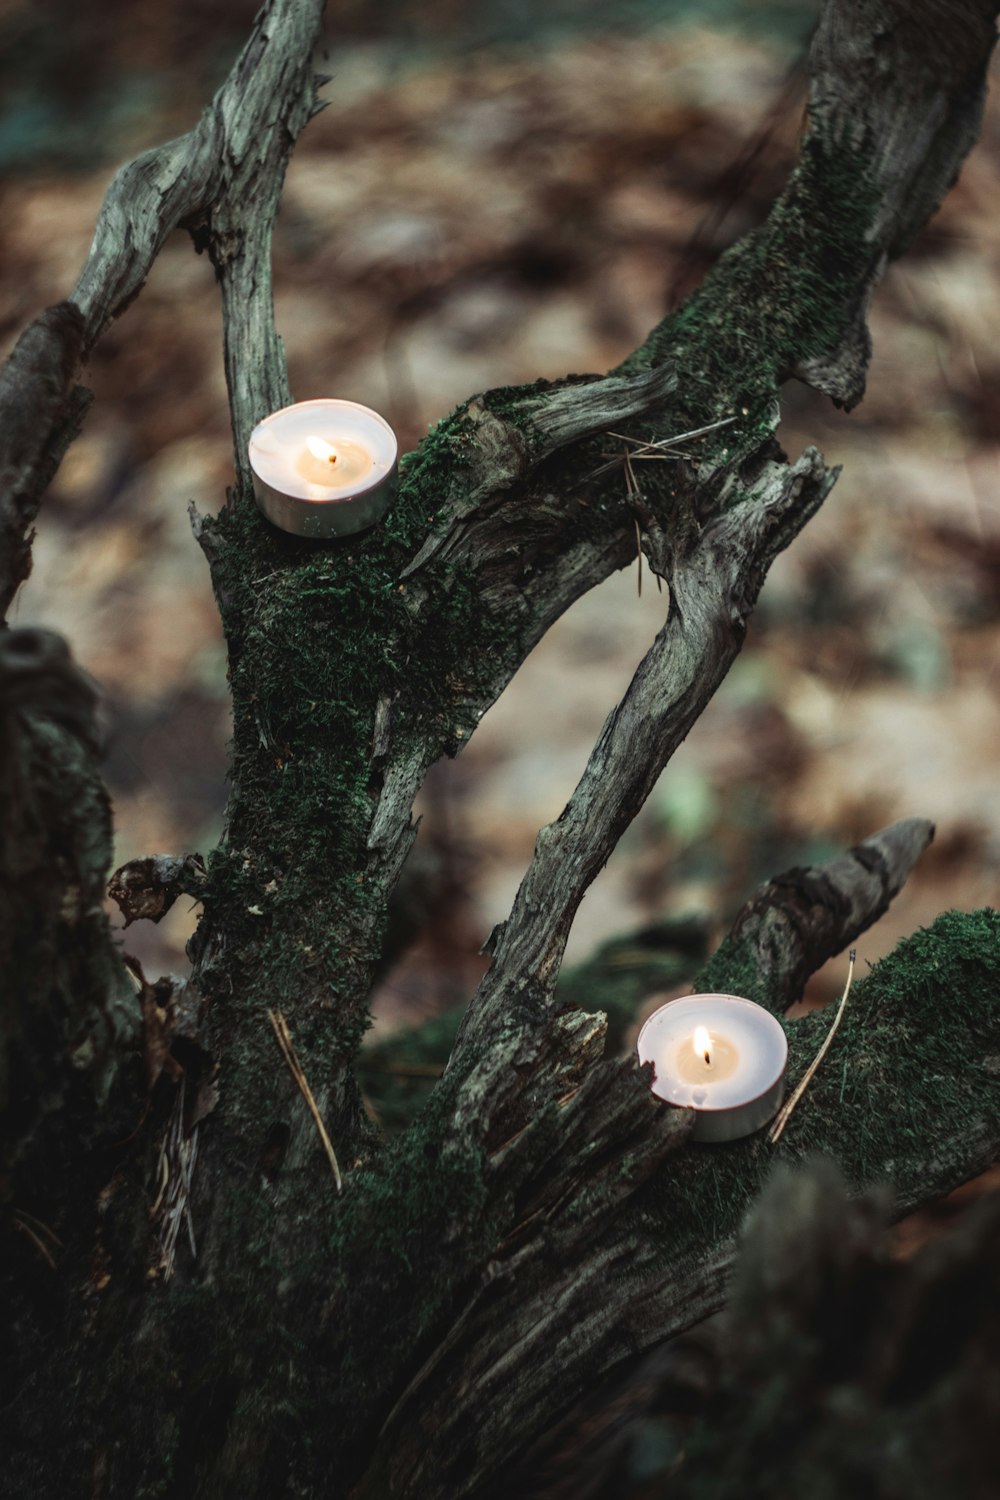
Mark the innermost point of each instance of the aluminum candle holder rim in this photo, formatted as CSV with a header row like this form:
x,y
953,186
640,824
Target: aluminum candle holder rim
x,y
322,518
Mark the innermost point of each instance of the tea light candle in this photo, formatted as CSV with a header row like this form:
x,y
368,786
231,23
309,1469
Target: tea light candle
x,y
720,1055
323,468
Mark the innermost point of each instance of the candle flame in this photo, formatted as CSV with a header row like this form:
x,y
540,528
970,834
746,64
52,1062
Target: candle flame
x,y
319,449
703,1043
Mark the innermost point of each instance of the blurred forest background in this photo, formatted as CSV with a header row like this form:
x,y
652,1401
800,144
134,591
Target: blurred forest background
x,y
497,193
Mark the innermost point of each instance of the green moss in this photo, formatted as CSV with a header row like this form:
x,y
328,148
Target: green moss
x,y
318,634
907,1090
917,1047
784,294
734,969
427,1204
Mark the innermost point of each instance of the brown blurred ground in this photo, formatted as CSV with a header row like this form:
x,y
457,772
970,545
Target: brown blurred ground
x,y
456,222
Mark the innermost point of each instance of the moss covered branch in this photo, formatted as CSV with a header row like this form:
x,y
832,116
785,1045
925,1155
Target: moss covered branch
x,y
544,1218
489,542
900,1098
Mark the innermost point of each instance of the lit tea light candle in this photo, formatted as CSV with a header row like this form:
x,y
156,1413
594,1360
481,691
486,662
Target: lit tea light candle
x,y
323,468
720,1055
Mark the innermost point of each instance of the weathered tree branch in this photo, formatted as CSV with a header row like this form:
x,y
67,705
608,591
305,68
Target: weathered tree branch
x,y
712,592
222,181
835,1368
68,1016
797,921
544,1219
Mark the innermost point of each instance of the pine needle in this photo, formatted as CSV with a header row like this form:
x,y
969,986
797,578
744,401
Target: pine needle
x,y
284,1038
785,1112
36,1239
679,437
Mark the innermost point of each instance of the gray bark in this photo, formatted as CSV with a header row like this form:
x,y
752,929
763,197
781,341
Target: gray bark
x,y
543,1219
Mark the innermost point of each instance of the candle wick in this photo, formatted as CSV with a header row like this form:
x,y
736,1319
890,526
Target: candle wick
x,y
708,1059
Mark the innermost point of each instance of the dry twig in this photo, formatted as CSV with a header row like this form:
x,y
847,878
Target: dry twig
x,y
40,1235
784,1113
284,1038
654,450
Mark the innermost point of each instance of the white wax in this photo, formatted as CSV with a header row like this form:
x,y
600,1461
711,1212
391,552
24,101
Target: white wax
x,y
280,456
343,464
706,1059
748,1032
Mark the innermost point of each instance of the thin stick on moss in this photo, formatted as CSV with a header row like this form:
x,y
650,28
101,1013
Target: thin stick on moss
x,y
643,448
19,1222
785,1112
284,1039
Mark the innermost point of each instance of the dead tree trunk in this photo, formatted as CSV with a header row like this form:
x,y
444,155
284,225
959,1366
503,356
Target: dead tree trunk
x,y
542,1221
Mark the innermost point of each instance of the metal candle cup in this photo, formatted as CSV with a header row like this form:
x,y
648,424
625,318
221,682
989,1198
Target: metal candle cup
x,y
732,1073
294,456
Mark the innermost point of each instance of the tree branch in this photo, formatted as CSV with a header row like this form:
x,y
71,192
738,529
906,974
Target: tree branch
x,y
222,181
525,1233
569,1294
712,591
797,921
68,1012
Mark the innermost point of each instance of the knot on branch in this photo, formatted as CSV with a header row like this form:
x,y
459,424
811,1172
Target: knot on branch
x,y
501,456
222,245
796,921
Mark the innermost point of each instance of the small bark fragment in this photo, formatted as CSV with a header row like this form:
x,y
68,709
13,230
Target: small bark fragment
x,y
146,889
